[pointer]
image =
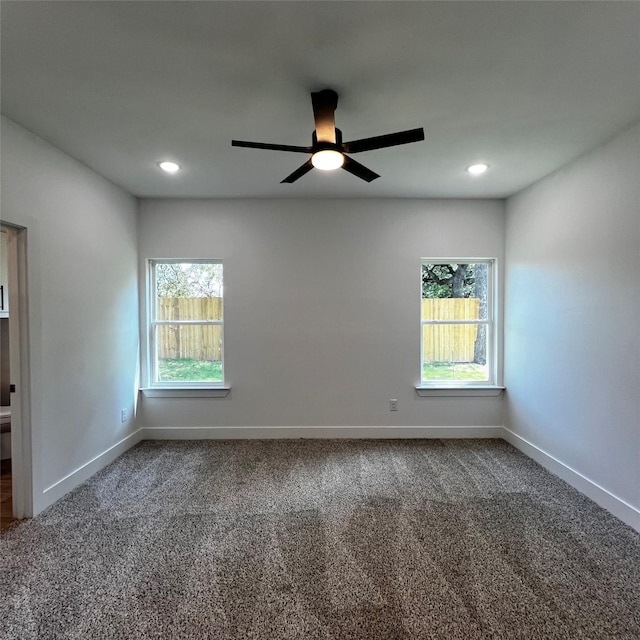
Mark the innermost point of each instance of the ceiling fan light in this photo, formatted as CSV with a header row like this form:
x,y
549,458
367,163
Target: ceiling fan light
x,y
327,159
477,169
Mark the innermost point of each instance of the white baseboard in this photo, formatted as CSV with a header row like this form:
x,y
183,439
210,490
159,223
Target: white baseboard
x,y
269,433
72,480
617,506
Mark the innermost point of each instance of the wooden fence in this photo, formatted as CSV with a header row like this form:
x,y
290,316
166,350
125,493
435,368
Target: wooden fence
x,y
196,342
449,343
453,343
189,308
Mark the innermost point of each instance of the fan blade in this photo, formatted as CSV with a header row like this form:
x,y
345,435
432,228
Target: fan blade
x,y
273,147
358,169
299,172
389,140
324,105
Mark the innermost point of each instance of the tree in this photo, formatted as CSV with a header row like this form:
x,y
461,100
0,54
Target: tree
x,y
481,289
188,280
448,280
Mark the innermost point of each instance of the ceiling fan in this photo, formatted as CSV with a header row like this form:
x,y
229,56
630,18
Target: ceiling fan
x,y
327,149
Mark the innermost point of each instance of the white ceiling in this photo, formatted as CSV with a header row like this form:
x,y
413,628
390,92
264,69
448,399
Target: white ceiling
x,y
525,86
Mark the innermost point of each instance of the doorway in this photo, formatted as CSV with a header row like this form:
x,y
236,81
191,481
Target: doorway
x,y
15,442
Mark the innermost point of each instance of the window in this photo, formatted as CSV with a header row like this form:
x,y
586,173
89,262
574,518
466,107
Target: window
x,y
457,318
186,323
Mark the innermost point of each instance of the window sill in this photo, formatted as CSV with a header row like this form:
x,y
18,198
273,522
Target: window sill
x,y
186,392
476,391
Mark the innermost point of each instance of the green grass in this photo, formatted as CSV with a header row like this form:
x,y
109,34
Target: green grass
x,y
186,370
463,371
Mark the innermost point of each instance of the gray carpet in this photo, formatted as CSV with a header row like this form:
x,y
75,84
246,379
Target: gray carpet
x,y
325,539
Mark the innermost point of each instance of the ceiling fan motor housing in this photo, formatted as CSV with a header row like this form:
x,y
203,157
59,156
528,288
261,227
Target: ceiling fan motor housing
x,y
321,146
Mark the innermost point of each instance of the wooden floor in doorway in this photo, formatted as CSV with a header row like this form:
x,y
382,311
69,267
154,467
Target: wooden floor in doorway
x,y
6,502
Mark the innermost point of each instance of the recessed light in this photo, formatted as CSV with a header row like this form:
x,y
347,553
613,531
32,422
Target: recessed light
x,y
169,167
477,169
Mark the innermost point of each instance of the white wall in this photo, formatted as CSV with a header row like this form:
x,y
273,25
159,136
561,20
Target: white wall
x,y
83,321
572,309
322,310
321,306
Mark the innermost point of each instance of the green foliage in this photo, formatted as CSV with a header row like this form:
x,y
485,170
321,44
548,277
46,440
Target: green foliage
x,y
188,280
449,280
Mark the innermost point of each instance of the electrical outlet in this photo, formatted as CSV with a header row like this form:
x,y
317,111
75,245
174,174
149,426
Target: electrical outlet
x,y
123,415
393,405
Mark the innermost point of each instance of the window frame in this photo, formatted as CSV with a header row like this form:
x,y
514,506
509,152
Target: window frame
x,y
491,322
153,323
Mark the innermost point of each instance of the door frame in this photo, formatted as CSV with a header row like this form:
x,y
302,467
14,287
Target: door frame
x,y
21,443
